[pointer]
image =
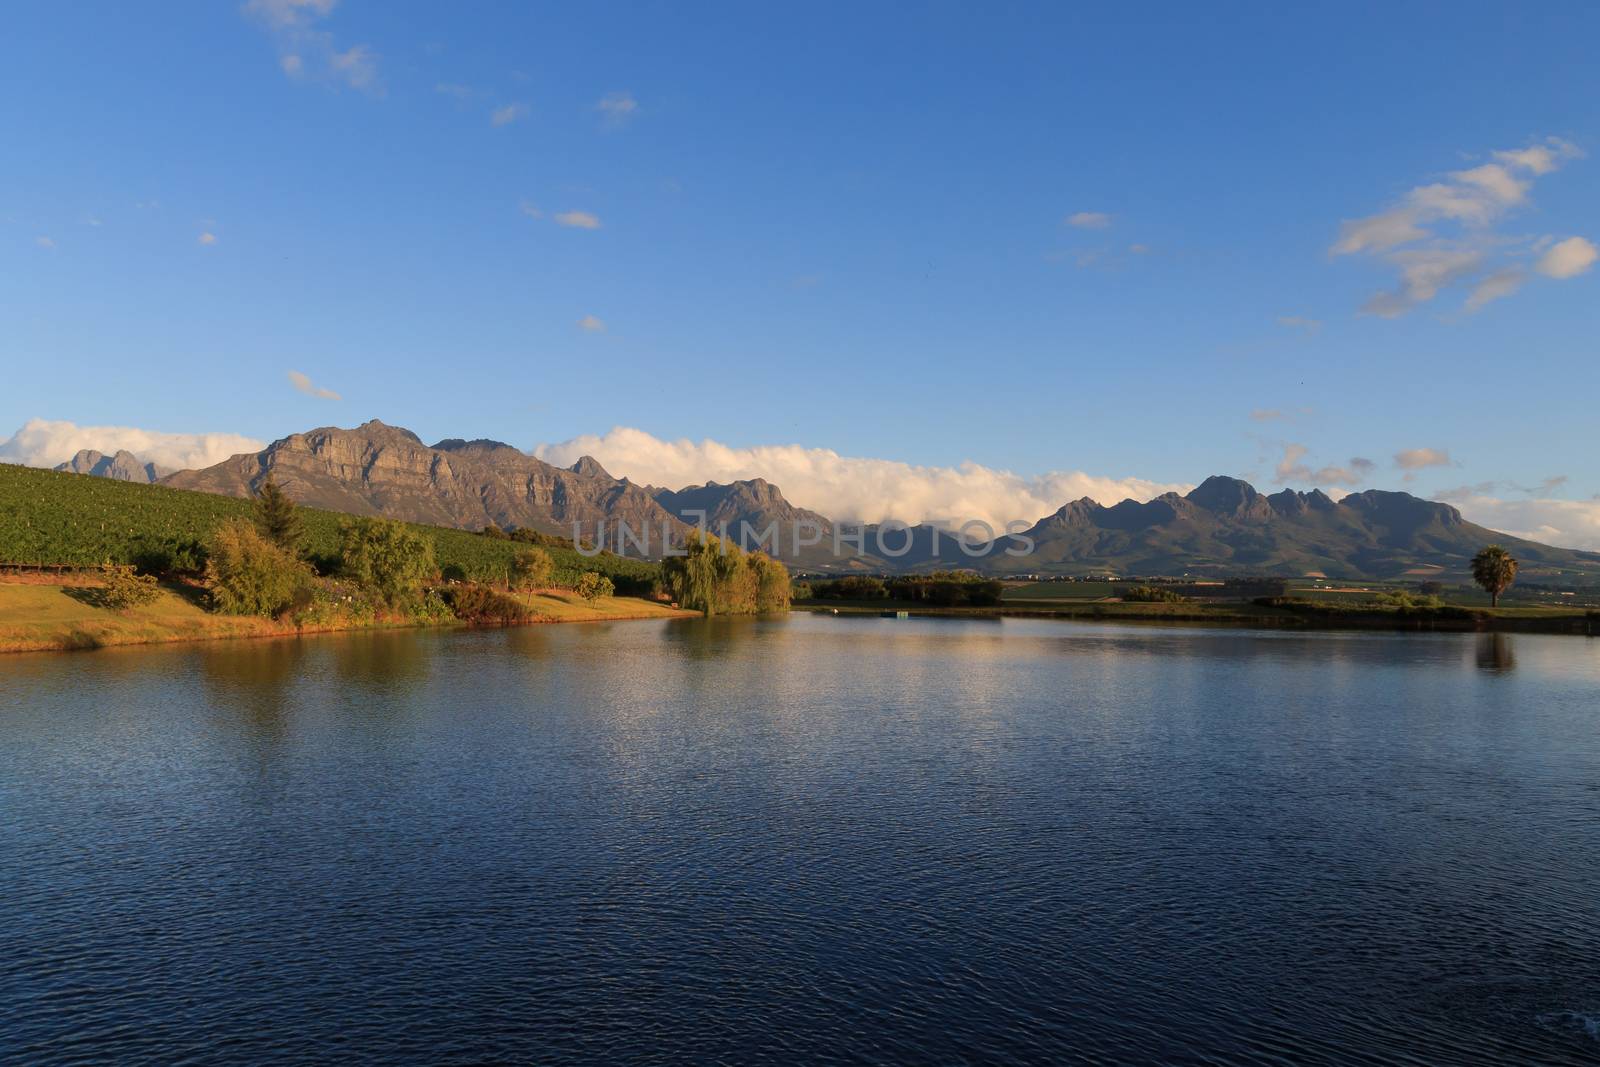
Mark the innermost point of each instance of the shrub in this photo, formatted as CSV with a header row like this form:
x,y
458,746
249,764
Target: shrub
x,y
592,586
851,587
168,555
947,589
331,603
532,569
1150,594
433,609
387,558
480,604
249,575
126,589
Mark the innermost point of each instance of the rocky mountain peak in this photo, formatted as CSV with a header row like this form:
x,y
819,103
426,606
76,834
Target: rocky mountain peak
x,y
124,466
589,467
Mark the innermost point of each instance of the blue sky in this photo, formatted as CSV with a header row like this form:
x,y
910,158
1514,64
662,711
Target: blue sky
x,y
839,226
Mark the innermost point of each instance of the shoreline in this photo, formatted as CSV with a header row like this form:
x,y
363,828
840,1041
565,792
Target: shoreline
x,y
45,617
1243,615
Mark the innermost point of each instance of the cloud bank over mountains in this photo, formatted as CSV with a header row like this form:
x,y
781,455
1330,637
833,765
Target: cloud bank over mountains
x,y
854,488
850,488
43,443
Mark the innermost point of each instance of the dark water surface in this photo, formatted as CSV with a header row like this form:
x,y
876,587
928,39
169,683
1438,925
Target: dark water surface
x,y
806,840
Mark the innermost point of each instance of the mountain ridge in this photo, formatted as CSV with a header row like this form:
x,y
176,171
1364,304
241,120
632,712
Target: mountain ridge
x,y
1223,527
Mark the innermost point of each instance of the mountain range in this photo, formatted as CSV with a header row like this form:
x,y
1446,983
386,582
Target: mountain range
x,y
1222,528
122,467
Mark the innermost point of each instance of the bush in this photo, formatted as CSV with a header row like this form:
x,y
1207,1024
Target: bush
x,y
249,575
851,587
126,589
532,569
168,555
433,609
1150,594
386,558
947,589
480,604
329,603
592,586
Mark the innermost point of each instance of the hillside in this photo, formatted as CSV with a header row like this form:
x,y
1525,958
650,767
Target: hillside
x,y
54,517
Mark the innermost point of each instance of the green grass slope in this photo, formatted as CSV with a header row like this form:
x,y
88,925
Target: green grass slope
x,y
54,517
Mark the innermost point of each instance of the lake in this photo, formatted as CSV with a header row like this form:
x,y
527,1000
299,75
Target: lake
x,y
810,839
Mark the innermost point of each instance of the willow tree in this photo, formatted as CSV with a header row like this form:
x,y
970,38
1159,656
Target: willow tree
x,y
1494,569
714,577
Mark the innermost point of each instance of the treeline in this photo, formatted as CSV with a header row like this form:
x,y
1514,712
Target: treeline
x,y
382,569
50,517
945,589
715,577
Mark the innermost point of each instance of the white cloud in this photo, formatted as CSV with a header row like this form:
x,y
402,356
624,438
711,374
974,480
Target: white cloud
x,y
304,385
505,116
1300,322
207,238
44,242
459,92
1564,523
44,443
306,52
1292,468
529,209
581,220
1089,220
850,488
591,324
1501,283
1470,203
1415,459
618,108
1567,259
1423,272
1540,158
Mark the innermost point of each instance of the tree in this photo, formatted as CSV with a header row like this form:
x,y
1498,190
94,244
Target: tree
x,y
1494,569
715,577
125,589
592,586
249,575
531,569
387,558
278,519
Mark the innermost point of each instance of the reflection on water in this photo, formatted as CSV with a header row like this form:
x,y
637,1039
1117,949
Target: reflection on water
x,y
813,838
1495,652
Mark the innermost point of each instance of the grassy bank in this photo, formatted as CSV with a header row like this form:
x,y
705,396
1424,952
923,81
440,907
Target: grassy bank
x,y
61,615
1233,613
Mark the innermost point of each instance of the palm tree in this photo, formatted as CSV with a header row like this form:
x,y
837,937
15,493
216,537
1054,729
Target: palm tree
x,y
1495,569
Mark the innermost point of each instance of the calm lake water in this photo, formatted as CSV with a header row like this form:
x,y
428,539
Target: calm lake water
x,y
811,839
